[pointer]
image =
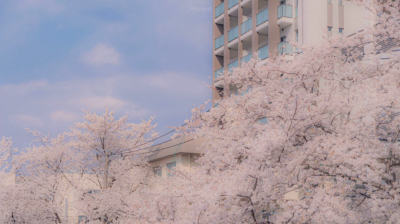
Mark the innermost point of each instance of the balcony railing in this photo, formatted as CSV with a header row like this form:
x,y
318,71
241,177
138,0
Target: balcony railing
x,y
219,42
232,3
246,59
284,47
219,72
219,10
246,26
285,11
263,52
233,34
232,65
262,17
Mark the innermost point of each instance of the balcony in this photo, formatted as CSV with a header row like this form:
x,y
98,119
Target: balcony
x,y
219,42
246,59
232,3
285,15
219,72
233,34
246,26
285,11
232,65
245,2
285,48
262,17
263,53
219,10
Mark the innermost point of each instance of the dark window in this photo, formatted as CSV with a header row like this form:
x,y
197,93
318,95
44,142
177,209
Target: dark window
x,y
157,171
170,171
220,91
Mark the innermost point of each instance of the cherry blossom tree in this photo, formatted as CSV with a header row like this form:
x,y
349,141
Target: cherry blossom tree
x,y
86,164
310,138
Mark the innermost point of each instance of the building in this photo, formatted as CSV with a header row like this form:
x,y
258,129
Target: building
x,y
181,152
243,27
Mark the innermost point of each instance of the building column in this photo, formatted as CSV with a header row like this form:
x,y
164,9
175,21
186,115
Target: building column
x,y
217,61
273,28
227,25
240,21
254,37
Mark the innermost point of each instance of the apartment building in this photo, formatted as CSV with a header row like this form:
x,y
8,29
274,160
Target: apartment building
x,y
243,27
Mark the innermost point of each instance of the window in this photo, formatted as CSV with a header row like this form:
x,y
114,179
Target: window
x,y
82,219
220,91
283,2
170,166
283,39
329,1
297,36
330,31
340,2
263,121
341,30
157,171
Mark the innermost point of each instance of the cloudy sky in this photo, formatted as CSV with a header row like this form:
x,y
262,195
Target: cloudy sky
x,y
145,58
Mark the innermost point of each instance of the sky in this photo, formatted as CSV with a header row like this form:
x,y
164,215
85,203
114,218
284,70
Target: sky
x,y
144,58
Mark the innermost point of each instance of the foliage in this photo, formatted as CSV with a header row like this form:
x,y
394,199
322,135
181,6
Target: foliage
x,y
329,151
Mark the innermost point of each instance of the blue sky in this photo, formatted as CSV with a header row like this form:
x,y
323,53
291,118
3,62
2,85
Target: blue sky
x,y
145,58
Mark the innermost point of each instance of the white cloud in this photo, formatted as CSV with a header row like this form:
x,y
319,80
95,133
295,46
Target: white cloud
x,y
178,83
64,116
23,88
101,54
27,120
134,112
97,103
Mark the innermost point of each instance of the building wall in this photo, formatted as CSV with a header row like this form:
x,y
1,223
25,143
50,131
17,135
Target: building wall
x,y
185,161
164,161
9,179
70,202
314,18
353,18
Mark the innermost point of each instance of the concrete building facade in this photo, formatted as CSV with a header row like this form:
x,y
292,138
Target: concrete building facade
x,y
181,152
243,27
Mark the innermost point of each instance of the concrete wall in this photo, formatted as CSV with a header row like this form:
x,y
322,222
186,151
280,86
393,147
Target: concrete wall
x,y
262,40
318,15
69,204
315,14
186,161
9,179
353,18
314,18
273,28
